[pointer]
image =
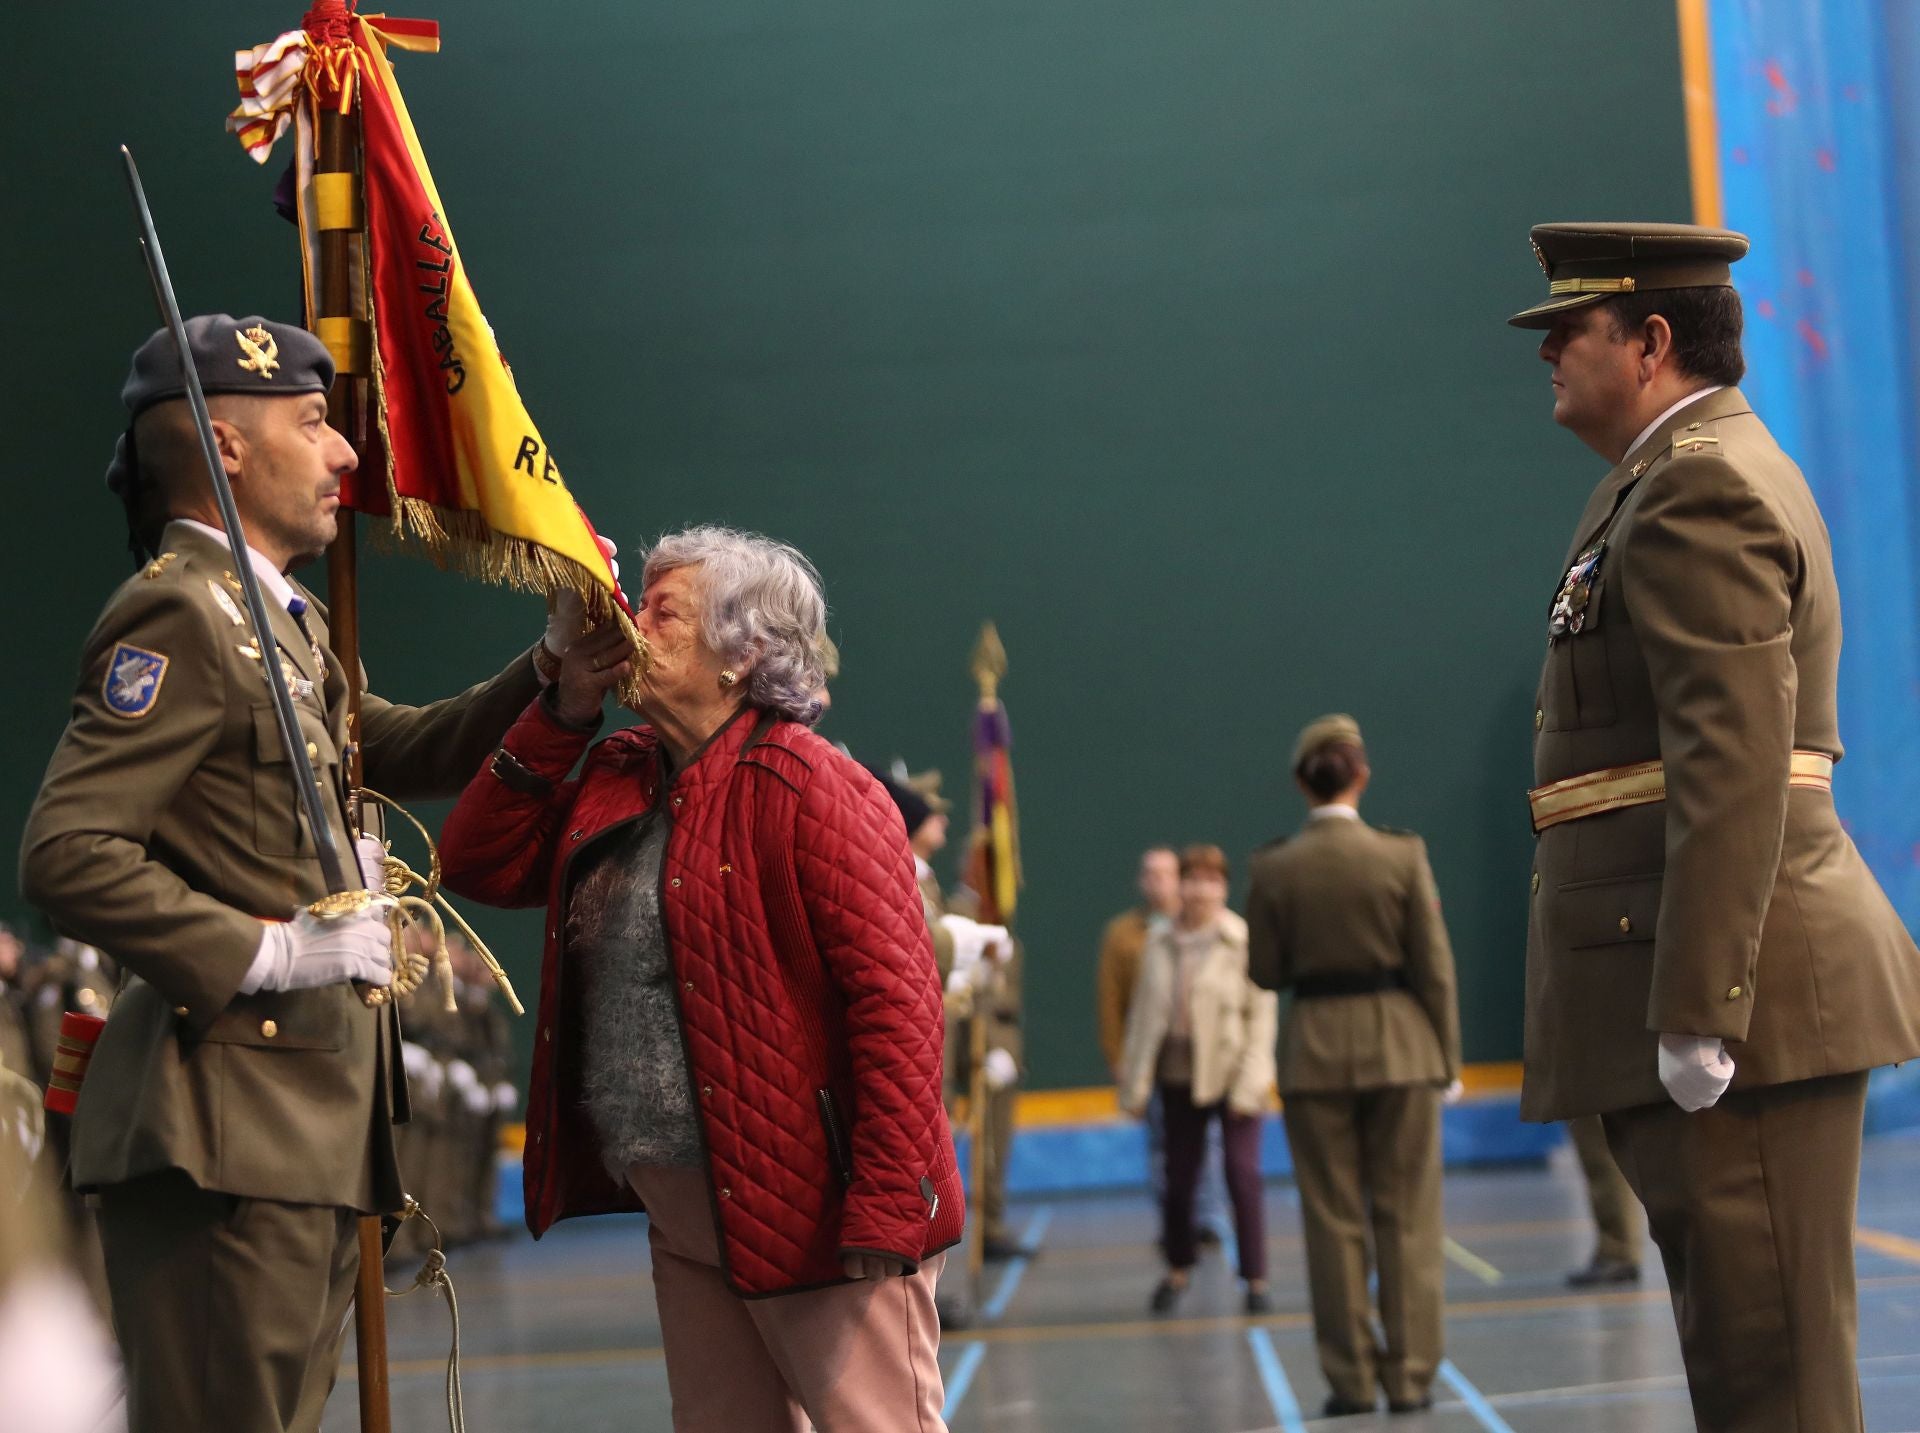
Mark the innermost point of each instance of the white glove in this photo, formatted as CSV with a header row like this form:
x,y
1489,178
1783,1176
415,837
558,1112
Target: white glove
x,y
567,613
423,1070
506,1095
372,854
971,941
1000,1069
306,952
1695,1069
1451,1095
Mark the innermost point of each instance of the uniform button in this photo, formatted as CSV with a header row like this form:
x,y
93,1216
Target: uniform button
x,y
726,1194
269,1028
1626,925
181,1010
675,883
679,801
547,1034
1539,718
313,751
1536,883
706,1091
1693,427
576,835
726,868
689,985
539,1138
1734,994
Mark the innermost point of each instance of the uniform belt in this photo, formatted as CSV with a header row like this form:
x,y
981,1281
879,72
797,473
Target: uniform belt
x,y
1642,784
1347,982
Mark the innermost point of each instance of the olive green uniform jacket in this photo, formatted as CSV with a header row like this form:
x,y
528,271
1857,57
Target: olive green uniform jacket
x,y
1737,907
165,839
1345,898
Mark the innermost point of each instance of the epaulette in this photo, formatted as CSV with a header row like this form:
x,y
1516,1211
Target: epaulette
x,y
1691,439
1396,831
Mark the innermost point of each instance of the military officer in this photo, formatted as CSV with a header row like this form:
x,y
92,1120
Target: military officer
x,y
1346,917
1711,968
237,1115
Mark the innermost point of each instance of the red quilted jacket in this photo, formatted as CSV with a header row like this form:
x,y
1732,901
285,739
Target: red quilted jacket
x,y
809,1002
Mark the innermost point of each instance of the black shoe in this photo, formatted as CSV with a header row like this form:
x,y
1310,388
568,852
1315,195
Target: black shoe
x,y
1338,1407
1165,1295
955,1314
1604,1271
1207,1237
1259,1301
1417,1406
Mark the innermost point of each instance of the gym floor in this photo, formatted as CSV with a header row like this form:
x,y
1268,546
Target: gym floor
x,y
563,1333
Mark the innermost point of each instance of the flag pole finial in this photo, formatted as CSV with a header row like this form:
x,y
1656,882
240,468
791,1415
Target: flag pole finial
x,y
989,663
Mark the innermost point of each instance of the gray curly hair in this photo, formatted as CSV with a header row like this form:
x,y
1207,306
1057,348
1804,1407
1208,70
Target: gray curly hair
x,y
762,601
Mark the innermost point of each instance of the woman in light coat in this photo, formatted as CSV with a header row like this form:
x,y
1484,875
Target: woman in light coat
x,y
1202,1033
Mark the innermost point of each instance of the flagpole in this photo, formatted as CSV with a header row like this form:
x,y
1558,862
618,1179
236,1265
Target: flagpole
x,y
337,143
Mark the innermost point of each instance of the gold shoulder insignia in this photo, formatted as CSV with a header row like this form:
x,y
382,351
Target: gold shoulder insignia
x,y
232,582
260,352
158,565
1690,442
1641,466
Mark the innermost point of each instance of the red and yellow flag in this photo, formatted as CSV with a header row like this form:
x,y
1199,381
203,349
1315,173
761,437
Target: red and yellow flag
x,y
453,458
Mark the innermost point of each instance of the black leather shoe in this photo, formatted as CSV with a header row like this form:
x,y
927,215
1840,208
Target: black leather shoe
x,y
998,1248
1259,1301
1207,1237
1338,1407
1604,1271
1418,1406
1165,1295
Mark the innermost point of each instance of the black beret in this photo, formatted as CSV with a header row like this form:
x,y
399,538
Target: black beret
x,y
231,355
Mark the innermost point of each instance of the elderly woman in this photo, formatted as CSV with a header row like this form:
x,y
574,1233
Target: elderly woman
x,y
740,1020
1200,1035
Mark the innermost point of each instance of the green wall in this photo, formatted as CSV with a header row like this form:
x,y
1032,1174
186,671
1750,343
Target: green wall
x,y
1167,335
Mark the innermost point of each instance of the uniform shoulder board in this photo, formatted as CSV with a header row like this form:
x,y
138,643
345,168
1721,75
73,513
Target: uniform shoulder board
x,y
1397,831
1695,438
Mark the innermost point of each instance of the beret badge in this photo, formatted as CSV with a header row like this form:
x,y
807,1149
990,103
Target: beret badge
x,y
259,352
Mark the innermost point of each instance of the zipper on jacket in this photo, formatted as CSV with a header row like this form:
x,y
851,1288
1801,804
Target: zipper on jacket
x,y
836,1141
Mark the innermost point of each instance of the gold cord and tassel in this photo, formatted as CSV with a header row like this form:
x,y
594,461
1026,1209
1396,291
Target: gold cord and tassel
x,y
399,881
433,1275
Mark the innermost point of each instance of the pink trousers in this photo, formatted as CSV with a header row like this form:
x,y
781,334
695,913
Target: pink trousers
x,y
861,1357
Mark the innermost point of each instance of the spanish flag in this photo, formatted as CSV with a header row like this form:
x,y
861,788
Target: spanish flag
x,y
452,456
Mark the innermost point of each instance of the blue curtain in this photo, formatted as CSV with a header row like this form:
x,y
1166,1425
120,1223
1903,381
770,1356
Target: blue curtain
x,y
1820,163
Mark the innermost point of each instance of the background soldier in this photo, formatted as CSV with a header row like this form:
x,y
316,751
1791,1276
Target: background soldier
x,y
237,1113
1347,918
1618,1224
1711,967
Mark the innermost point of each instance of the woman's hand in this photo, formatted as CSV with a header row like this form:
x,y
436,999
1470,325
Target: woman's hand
x,y
594,665
872,1266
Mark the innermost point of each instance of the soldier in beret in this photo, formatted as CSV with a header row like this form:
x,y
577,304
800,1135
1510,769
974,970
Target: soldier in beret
x,y
1345,917
1711,968
237,1116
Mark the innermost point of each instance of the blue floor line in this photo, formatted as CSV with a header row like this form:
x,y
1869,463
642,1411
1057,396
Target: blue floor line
x,y
1017,1266
1476,1402
971,1357
1279,1392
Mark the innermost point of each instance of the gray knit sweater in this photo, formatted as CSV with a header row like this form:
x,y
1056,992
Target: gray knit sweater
x,y
634,1068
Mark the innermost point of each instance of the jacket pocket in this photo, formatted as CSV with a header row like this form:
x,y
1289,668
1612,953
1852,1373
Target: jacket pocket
x,y
839,1151
285,1020
1617,911
279,825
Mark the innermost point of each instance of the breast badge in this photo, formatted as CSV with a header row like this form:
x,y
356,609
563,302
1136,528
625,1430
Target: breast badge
x,y
133,680
1571,606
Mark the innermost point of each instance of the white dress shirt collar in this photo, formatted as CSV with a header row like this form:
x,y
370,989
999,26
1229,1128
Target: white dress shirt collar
x,y
279,589
1334,811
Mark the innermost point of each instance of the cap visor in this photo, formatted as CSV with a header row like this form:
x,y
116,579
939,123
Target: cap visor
x,y
1542,315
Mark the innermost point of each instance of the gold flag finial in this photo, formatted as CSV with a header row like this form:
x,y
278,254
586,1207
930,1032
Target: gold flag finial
x,y
989,663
